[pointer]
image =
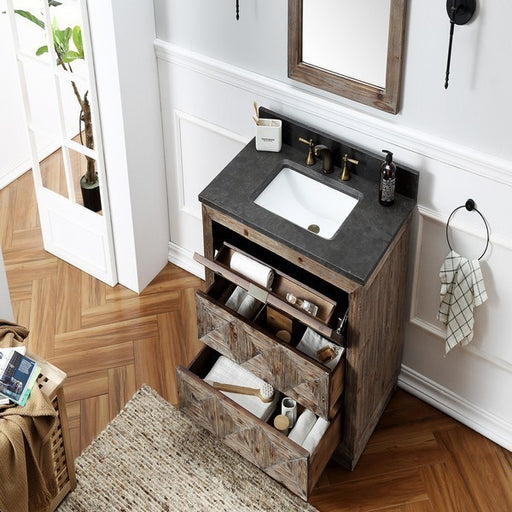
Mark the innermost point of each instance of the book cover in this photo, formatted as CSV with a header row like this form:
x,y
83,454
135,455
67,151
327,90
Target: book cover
x,y
18,374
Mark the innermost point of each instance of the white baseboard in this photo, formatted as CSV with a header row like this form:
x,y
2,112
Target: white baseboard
x,y
185,260
15,173
457,407
26,165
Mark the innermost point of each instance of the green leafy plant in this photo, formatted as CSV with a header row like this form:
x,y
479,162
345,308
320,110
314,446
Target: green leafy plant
x,y
66,54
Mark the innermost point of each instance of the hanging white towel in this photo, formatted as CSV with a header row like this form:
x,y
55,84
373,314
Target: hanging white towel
x,y
462,288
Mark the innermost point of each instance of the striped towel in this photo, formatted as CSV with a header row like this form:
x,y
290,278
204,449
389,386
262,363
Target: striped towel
x,y
462,288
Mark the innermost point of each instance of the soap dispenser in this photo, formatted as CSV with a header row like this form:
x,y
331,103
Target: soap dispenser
x,y
387,180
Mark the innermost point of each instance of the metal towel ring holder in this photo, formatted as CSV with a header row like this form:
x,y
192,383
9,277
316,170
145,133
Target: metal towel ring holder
x,y
470,207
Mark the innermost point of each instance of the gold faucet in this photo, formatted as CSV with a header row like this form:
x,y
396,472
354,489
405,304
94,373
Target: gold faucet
x,y
345,175
310,159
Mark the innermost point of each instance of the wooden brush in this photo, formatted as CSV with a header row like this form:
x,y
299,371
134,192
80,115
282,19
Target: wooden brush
x,y
265,393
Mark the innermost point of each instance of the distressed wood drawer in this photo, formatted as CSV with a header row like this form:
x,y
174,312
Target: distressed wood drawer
x,y
249,344
275,296
255,440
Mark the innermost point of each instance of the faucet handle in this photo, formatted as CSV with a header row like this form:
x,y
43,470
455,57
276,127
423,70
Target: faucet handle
x,y
345,175
310,159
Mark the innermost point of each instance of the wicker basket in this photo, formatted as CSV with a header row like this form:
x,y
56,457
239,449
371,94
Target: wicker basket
x,y
51,381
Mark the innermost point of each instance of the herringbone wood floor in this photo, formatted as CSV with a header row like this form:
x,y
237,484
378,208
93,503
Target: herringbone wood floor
x,y
110,341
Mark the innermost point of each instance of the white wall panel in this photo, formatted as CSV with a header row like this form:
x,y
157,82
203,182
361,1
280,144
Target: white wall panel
x,y
203,149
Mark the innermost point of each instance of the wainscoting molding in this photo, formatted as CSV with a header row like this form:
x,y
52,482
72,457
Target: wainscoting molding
x,y
317,107
425,324
181,118
441,398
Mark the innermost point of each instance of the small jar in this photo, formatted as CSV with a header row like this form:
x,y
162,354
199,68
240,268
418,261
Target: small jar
x,y
282,423
304,304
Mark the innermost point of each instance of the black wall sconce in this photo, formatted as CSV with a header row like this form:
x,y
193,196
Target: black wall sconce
x,y
459,12
237,10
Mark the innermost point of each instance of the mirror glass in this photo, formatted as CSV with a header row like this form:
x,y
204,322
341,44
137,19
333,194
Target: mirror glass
x,y
348,47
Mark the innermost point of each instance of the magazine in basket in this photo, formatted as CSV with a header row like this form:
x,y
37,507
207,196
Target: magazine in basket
x,y
18,373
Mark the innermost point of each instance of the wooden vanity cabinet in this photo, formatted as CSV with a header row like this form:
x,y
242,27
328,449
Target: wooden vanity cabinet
x,y
352,396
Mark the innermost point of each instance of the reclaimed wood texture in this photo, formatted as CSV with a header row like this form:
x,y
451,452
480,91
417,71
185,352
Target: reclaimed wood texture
x,y
310,383
255,440
271,297
374,347
375,332
384,98
417,460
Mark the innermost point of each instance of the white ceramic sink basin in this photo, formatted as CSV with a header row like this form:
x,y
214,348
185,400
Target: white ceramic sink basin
x,y
306,202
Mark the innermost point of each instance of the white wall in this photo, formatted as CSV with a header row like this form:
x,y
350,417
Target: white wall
x,y
458,139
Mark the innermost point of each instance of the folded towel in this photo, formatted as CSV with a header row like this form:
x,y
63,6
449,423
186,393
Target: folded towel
x,y
315,434
312,342
243,303
255,271
462,288
228,372
302,428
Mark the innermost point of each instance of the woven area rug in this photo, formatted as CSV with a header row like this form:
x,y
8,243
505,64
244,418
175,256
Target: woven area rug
x,y
152,458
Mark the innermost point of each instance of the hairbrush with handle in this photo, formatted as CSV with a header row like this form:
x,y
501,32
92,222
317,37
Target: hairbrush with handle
x,y
265,393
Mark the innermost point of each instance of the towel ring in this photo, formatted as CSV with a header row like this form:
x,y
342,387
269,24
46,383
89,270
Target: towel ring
x,y
470,207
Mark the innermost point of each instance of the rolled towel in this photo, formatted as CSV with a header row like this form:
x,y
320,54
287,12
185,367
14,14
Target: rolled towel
x,y
243,303
255,271
315,434
304,424
312,342
228,372
249,307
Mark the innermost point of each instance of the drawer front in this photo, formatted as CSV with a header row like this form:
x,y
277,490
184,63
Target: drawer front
x,y
253,439
311,384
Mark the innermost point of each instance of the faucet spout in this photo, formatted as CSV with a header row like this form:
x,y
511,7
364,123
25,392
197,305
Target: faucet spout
x,y
324,153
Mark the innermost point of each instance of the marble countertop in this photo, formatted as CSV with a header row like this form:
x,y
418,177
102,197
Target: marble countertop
x,y
357,246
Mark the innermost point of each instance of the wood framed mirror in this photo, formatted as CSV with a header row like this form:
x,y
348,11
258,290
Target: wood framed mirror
x,y
350,48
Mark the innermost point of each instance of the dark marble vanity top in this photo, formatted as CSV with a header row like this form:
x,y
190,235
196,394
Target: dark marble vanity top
x,y
363,238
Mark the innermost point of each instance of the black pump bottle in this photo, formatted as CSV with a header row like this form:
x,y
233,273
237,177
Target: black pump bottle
x,y
387,180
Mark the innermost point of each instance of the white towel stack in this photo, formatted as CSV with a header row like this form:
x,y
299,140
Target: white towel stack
x,y
312,342
243,303
228,372
462,288
308,430
252,269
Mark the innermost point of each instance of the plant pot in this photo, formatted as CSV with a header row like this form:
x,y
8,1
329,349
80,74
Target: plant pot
x,y
91,194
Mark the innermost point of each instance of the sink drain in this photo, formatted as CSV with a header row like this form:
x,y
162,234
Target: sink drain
x,y
314,228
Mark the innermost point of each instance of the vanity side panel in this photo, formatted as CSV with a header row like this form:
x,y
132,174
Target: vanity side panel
x,y
374,348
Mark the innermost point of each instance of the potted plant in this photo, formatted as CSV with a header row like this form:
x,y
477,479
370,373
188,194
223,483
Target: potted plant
x,y
66,54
